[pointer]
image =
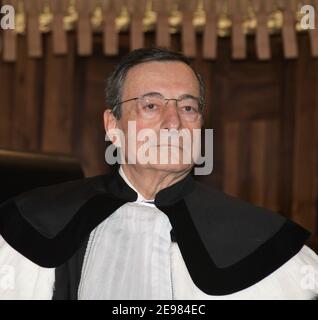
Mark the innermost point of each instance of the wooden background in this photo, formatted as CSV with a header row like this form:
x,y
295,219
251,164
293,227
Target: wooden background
x,y
264,115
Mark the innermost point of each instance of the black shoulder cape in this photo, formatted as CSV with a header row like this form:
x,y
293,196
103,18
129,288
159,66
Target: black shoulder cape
x,y
227,244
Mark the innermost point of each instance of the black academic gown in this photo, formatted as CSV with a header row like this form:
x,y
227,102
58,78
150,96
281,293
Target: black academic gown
x,y
227,244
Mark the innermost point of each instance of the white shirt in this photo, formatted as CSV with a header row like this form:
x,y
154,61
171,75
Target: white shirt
x,y
130,255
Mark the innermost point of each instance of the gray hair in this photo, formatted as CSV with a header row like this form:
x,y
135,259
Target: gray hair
x,y
116,80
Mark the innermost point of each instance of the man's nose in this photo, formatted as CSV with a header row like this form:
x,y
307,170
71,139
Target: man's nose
x,y
171,118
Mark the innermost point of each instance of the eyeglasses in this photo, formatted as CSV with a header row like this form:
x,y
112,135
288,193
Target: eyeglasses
x,y
152,105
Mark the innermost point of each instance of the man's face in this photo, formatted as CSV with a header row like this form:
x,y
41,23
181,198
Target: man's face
x,y
171,80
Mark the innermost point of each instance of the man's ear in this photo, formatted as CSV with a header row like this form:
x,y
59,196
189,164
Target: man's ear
x,y
110,121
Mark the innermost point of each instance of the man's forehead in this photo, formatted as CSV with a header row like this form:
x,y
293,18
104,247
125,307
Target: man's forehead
x,y
156,75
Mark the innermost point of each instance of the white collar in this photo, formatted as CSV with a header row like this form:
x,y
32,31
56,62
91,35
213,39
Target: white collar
x,y
140,198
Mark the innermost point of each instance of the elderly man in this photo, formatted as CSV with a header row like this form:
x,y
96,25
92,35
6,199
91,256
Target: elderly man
x,y
150,231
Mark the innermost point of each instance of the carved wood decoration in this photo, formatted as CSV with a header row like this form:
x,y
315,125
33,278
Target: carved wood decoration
x,y
9,37
59,9
236,9
84,29
210,29
136,9
110,10
188,31
33,9
288,31
262,10
313,33
214,19
162,8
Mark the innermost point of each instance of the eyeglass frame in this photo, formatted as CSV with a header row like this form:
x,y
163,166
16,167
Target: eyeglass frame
x,y
185,96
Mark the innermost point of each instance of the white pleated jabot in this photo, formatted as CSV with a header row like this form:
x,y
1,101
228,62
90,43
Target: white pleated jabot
x,y
128,255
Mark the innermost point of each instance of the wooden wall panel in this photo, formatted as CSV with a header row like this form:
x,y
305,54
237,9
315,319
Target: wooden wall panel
x,y
231,178
305,166
251,161
257,152
95,71
58,99
92,118
6,102
287,127
27,95
273,165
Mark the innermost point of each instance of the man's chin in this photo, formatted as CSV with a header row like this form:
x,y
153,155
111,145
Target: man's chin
x,y
170,167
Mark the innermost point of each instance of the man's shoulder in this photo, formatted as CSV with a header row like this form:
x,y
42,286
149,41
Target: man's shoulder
x,y
53,218
71,187
213,203
209,198
235,229
235,244
53,196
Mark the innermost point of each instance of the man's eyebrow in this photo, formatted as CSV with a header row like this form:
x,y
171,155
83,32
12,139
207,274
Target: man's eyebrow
x,y
187,95
156,94
152,93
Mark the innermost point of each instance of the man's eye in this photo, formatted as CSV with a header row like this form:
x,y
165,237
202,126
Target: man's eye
x,y
189,109
150,107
